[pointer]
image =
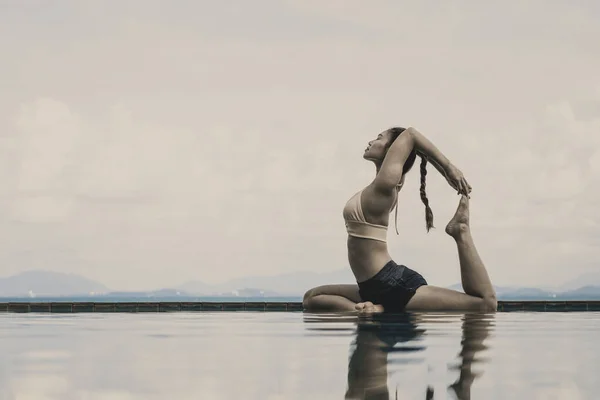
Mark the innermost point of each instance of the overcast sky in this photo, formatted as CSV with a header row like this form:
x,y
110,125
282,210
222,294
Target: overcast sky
x,y
147,143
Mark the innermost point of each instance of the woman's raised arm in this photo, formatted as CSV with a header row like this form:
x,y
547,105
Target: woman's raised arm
x,y
453,175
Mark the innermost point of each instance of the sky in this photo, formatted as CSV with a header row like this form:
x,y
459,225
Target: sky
x,y
144,144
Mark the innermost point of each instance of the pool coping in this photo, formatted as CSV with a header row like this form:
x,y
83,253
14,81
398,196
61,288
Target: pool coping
x,y
174,306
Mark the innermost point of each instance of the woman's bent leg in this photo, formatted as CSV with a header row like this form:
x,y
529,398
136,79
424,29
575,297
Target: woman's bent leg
x,y
343,297
479,292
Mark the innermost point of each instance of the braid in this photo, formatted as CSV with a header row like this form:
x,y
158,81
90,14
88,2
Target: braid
x,y
428,212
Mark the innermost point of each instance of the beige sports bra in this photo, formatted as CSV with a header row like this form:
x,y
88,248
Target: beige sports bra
x,y
357,225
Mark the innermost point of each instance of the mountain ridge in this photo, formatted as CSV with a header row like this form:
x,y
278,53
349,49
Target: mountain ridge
x,y
36,283
48,283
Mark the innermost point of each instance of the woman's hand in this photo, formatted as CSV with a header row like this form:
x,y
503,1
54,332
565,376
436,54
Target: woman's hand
x,y
457,180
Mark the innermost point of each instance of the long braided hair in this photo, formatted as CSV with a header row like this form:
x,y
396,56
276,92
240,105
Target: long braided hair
x,y
424,199
395,132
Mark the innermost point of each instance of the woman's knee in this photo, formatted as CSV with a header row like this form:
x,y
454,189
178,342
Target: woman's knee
x,y
310,293
347,291
308,298
490,304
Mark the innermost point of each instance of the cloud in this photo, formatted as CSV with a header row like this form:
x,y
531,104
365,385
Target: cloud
x,y
118,181
533,205
163,149
47,136
542,184
532,189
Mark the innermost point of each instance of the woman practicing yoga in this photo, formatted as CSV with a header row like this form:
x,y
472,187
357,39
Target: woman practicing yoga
x,y
384,285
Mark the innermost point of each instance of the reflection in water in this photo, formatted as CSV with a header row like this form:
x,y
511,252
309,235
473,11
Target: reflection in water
x,y
379,335
265,355
376,336
475,329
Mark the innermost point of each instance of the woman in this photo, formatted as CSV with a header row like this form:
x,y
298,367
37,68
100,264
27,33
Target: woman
x,y
383,284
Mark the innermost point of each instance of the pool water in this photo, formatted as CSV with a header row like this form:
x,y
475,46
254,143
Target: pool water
x,y
258,355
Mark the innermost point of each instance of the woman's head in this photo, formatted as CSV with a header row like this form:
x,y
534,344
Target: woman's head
x,y
378,148
376,152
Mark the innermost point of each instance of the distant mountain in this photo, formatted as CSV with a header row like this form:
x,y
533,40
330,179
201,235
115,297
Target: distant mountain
x,y
586,292
296,283
162,293
37,283
526,294
197,287
46,283
287,284
587,279
590,292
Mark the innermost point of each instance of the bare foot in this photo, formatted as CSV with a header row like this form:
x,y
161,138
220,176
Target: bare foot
x,y
368,308
460,222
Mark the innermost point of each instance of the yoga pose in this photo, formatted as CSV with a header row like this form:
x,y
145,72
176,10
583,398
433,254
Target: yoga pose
x,y
383,284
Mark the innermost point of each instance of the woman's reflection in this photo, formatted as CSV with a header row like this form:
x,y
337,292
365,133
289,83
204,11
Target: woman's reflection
x,y
475,328
379,335
376,336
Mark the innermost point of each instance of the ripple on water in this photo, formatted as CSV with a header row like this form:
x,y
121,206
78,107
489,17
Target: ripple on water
x,y
223,355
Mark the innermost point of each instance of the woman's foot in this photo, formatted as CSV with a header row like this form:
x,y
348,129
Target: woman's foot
x,y
368,308
460,222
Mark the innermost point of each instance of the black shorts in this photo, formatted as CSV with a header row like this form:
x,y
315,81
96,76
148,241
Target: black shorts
x,y
392,287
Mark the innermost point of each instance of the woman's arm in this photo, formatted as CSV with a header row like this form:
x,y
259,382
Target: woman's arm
x,y
453,175
390,172
425,148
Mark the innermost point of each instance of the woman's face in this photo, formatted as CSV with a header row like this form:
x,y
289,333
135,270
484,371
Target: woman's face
x,y
377,148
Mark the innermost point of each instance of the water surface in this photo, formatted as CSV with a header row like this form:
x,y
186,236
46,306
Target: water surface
x,y
258,355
